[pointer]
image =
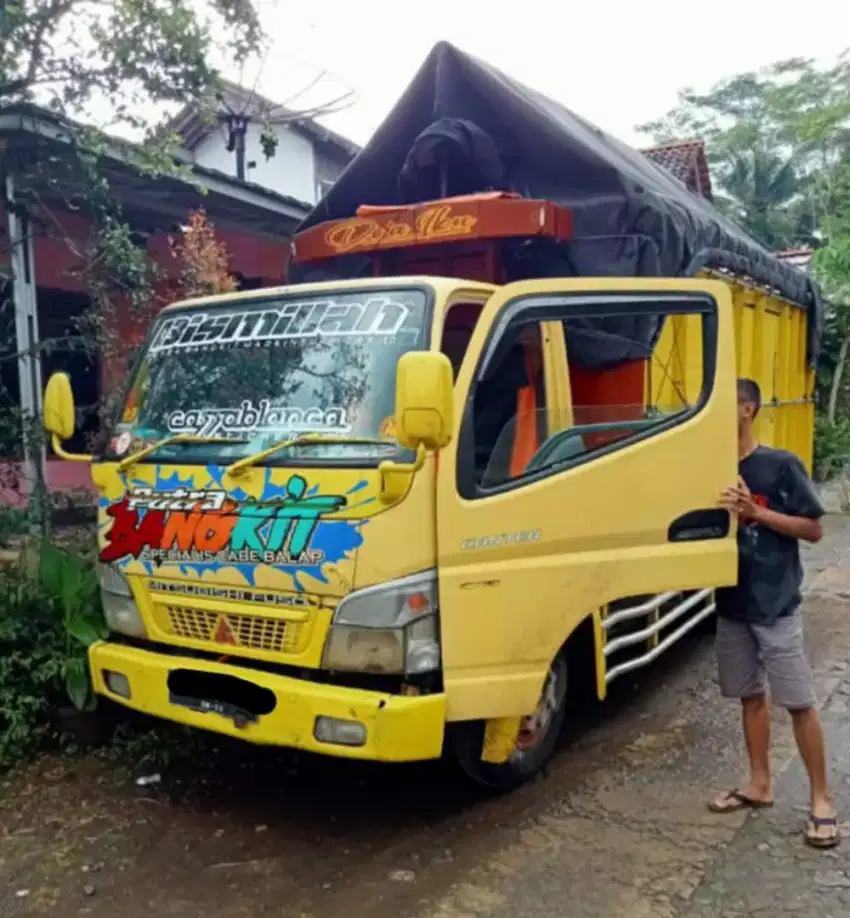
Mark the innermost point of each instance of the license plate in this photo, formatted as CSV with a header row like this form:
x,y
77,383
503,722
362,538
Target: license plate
x,y
239,716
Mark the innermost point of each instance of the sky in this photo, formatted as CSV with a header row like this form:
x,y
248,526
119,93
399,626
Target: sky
x,y
614,62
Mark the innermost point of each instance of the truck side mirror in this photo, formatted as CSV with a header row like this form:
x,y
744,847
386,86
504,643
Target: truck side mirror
x,y
424,400
59,413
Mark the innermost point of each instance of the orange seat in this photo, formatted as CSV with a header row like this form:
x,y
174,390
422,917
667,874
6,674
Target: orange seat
x,y
526,436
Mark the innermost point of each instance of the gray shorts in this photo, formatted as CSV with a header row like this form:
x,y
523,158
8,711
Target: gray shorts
x,y
747,653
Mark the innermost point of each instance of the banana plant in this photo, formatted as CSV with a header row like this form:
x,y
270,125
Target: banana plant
x,y
70,583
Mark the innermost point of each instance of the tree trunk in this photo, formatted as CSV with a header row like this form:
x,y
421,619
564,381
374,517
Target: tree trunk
x,y
832,406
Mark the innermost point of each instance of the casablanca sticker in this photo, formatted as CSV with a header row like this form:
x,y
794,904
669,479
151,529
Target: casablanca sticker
x,y
387,428
262,418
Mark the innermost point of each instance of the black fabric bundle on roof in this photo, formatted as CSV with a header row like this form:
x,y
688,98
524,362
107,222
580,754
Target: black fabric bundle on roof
x,y
631,217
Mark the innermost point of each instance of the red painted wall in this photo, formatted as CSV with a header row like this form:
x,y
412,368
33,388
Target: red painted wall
x,y
250,256
60,243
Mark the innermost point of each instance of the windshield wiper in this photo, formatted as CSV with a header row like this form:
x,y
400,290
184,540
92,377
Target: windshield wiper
x,y
304,440
133,458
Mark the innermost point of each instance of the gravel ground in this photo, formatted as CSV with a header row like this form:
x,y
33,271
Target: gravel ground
x,y
618,827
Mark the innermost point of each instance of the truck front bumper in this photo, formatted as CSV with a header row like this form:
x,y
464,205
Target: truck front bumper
x,y
393,728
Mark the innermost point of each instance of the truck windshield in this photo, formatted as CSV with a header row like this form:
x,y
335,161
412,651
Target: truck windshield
x,y
237,377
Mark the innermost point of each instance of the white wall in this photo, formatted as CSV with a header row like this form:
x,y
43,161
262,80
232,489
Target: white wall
x,y
291,171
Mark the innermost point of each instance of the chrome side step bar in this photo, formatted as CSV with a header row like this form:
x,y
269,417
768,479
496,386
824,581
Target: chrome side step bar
x,y
688,603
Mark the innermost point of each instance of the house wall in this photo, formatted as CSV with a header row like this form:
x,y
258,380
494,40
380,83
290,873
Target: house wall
x,y
330,164
250,256
59,260
291,171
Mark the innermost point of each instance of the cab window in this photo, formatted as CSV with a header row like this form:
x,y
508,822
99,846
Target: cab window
x,y
509,407
635,367
457,332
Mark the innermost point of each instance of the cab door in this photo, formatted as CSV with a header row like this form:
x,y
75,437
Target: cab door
x,y
544,522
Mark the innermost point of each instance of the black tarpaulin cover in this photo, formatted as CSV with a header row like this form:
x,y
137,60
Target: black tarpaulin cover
x,y
631,217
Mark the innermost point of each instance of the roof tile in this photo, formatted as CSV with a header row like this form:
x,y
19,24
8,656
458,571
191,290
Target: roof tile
x,y
686,160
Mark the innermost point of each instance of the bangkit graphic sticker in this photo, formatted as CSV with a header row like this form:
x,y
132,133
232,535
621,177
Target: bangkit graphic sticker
x,y
170,523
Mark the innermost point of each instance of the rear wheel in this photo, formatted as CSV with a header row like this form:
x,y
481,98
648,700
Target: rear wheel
x,y
535,745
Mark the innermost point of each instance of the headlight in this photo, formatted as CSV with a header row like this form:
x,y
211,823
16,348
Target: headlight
x,y
391,628
119,607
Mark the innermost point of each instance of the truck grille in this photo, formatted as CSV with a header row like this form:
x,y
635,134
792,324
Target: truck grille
x,y
254,632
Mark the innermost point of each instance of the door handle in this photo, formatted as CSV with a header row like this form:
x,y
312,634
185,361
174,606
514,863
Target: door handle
x,y
700,525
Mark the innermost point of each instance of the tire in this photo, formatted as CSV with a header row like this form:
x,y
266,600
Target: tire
x,y
467,739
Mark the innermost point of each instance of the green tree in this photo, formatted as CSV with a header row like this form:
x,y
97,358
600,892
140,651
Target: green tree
x,y
818,107
831,266
778,141
120,64
759,189
204,260
68,54
774,139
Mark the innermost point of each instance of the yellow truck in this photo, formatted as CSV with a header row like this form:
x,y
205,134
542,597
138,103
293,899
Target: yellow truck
x,y
465,467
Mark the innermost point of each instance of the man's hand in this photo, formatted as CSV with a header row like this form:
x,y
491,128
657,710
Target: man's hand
x,y
739,500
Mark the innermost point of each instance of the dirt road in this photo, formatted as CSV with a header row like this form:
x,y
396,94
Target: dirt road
x,y
617,827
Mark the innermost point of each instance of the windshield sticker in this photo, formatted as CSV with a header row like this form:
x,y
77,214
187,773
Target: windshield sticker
x,y
121,443
180,525
388,428
262,418
136,396
206,525
376,316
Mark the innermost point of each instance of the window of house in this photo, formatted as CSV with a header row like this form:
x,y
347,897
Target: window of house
x,y
323,186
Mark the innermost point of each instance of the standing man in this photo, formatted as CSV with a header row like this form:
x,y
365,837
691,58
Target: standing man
x,y
760,628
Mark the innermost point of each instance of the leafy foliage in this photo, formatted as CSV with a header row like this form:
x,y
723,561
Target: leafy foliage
x,y
129,58
132,59
832,448
203,259
49,615
31,654
70,53
779,146
760,190
774,139
70,584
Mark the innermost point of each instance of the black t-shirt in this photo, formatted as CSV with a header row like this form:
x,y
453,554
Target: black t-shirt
x,y
770,573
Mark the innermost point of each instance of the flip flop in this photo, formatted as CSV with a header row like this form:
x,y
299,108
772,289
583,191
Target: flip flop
x,y
822,822
735,800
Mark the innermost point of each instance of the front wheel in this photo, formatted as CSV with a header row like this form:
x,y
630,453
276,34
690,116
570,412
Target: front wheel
x,y
536,742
